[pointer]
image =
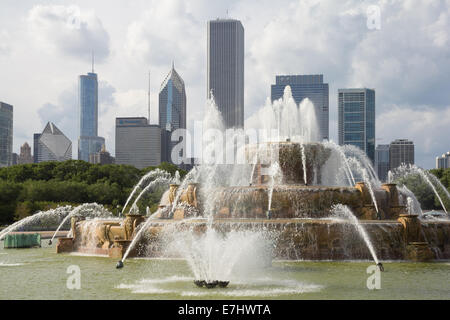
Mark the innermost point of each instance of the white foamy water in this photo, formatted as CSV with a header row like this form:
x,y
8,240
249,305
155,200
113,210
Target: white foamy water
x,y
83,254
262,287
4,264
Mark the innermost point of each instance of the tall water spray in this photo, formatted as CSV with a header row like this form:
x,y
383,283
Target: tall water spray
x,y
140,184
406,170
342,211
162,178
284,120
275,179
367,181
305,177
86,210
37,218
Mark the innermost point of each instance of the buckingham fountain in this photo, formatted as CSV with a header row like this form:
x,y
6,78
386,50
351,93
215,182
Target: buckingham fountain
x,y
289,198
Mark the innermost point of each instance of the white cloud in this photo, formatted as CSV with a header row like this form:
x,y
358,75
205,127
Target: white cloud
x,y
166,32
4,42
407,60
69,30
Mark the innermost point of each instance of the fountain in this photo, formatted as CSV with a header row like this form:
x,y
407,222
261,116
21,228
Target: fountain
x,y
293,198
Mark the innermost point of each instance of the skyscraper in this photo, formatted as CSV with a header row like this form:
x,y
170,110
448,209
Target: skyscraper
x,y
137,142
443,162
25,154
401,151
356,112
15,159
101,157
172,112
36,137
89,141
53,145
306,86
225,73
382,161
6,134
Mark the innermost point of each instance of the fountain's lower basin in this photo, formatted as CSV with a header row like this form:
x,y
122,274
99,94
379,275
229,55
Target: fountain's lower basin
x,y
294,239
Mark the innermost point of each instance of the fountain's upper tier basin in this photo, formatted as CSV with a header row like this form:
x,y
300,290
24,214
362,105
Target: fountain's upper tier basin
x,y
298,201
293,158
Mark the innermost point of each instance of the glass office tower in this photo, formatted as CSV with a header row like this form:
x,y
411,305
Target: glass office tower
x,y
382,161
356,123
172,112
6,134
89,141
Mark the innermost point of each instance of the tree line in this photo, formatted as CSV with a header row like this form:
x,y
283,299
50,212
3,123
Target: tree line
x,y
27,188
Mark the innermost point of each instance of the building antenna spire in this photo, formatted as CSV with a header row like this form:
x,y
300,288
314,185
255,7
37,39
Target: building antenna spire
x,y
148,96
92,61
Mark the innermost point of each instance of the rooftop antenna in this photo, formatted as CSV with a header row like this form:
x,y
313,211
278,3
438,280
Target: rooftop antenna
x,y
148,96
92,61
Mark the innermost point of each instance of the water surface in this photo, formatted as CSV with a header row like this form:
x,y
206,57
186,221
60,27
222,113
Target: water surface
x,y
42,274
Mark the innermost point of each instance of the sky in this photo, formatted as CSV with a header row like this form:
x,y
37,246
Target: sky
x,y
404,55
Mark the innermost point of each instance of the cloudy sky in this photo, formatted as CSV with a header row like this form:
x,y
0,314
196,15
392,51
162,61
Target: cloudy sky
x,y
45,45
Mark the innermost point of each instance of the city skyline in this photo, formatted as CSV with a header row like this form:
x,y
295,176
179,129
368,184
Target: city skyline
x,y
407,91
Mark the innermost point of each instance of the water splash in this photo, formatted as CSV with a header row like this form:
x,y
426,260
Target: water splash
x,y
85,210
150,175
284,120
332,170
37,218
367,181
412,202
406,170
305,178
342,211
275,179
164,179
138,235
365,162
213,256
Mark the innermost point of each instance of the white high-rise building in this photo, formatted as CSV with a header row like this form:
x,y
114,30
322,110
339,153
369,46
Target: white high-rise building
x,y
443,162
53,145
